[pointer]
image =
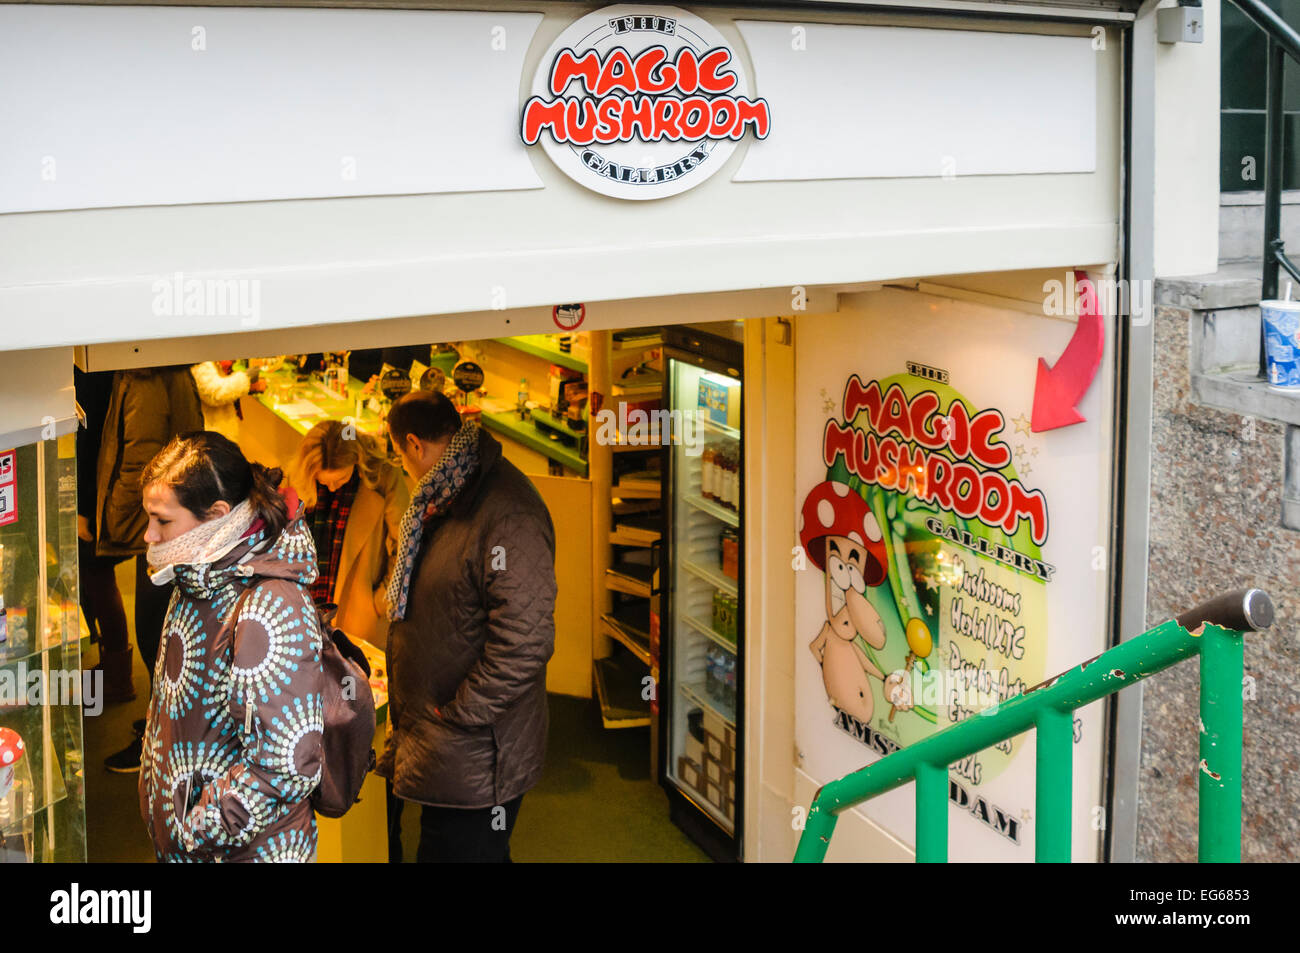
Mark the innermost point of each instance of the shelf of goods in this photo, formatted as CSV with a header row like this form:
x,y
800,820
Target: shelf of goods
x,y
527,432
541,345
22,665
704,600
721,430
716,510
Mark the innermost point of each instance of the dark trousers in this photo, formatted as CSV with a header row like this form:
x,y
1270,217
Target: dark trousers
x,y
150,613
454,835
101,601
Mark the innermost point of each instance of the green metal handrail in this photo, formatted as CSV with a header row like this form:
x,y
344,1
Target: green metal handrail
x,y
1213,631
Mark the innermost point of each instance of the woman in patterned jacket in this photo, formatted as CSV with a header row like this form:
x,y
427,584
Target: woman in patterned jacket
x,y
232,747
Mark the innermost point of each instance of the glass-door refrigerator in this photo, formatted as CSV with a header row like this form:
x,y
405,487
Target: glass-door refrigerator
x,y
701,583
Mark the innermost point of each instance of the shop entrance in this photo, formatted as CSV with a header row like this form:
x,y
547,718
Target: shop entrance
x,y
632,437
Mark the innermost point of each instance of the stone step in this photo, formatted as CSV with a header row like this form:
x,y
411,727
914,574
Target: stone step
x,y
1234,285
1241,225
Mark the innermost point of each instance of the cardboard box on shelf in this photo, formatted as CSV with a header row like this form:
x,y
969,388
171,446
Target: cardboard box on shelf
x,y
689,773
714,794
716,749
713,770
694,748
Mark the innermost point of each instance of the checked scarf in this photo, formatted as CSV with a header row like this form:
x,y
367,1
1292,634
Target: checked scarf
x,y
433,497
328,520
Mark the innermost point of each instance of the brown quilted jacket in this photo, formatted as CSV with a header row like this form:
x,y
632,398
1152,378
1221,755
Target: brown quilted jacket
x,y
467,666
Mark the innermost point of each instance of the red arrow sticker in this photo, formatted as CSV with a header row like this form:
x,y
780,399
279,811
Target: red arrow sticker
x,y
1060,388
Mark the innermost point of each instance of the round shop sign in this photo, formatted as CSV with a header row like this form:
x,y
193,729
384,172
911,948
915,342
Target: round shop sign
x,y
641,102
468,376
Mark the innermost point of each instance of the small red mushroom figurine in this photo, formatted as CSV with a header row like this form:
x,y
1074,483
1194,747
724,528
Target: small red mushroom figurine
x,y
11,752
841,536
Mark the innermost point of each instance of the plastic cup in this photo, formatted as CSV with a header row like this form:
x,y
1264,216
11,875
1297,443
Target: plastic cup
x,y
1281,320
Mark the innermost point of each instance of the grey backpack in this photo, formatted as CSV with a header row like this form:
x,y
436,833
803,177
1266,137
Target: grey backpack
x,y
347,749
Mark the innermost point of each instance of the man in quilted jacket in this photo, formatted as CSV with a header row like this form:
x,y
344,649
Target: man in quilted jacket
x,y
472,627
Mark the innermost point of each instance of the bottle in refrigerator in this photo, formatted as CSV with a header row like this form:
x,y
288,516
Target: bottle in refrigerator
x,y
729,680
726,496
735,481
729,553
714,673
706,473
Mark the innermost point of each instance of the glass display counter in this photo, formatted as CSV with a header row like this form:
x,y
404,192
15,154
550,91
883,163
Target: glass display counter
x,y
42,783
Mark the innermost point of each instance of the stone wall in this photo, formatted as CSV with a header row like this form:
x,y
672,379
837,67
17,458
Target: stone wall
x,y
1216,487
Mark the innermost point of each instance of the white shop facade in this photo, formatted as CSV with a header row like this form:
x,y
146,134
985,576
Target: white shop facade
x,y
901,206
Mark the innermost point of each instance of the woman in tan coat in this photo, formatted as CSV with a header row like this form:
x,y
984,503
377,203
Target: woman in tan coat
x,y
355,500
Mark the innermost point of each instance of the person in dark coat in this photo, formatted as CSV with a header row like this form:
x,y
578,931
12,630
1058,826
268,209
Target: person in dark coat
x,y
146,409
101,601
471,604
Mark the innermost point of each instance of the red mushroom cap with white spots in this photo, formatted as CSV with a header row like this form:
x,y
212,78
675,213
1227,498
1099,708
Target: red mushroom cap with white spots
x,y
11,747
832,509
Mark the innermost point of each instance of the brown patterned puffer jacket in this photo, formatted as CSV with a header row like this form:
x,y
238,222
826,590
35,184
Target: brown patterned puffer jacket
x,y
232,747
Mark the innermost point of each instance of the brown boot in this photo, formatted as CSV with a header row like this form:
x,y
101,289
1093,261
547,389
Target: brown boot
x,y
116,667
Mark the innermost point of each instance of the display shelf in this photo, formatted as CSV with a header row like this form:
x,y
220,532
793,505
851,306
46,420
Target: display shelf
x,y
637,646
633,493
545,420
48,787
524,431
722,430
618,539
709,632
618,446
636,530
41,673
713,575
696,693
631,340
716,510
618,689
539,345
619,582
28,654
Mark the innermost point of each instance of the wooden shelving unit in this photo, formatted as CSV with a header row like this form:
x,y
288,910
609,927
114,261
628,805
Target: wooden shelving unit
x,y
623,636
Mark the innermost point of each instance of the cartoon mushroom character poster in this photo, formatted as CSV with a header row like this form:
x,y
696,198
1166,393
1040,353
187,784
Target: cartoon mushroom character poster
x,y
841,537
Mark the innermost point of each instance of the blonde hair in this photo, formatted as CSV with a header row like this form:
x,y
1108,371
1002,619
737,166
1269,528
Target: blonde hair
x,y
333,445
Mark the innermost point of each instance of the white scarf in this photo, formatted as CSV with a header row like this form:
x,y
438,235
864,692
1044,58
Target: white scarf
x,y
205,543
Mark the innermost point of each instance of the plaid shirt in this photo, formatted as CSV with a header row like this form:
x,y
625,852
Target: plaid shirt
x,y
329,520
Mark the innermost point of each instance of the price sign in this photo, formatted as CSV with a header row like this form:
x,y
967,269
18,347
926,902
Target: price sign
x,y
8,488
